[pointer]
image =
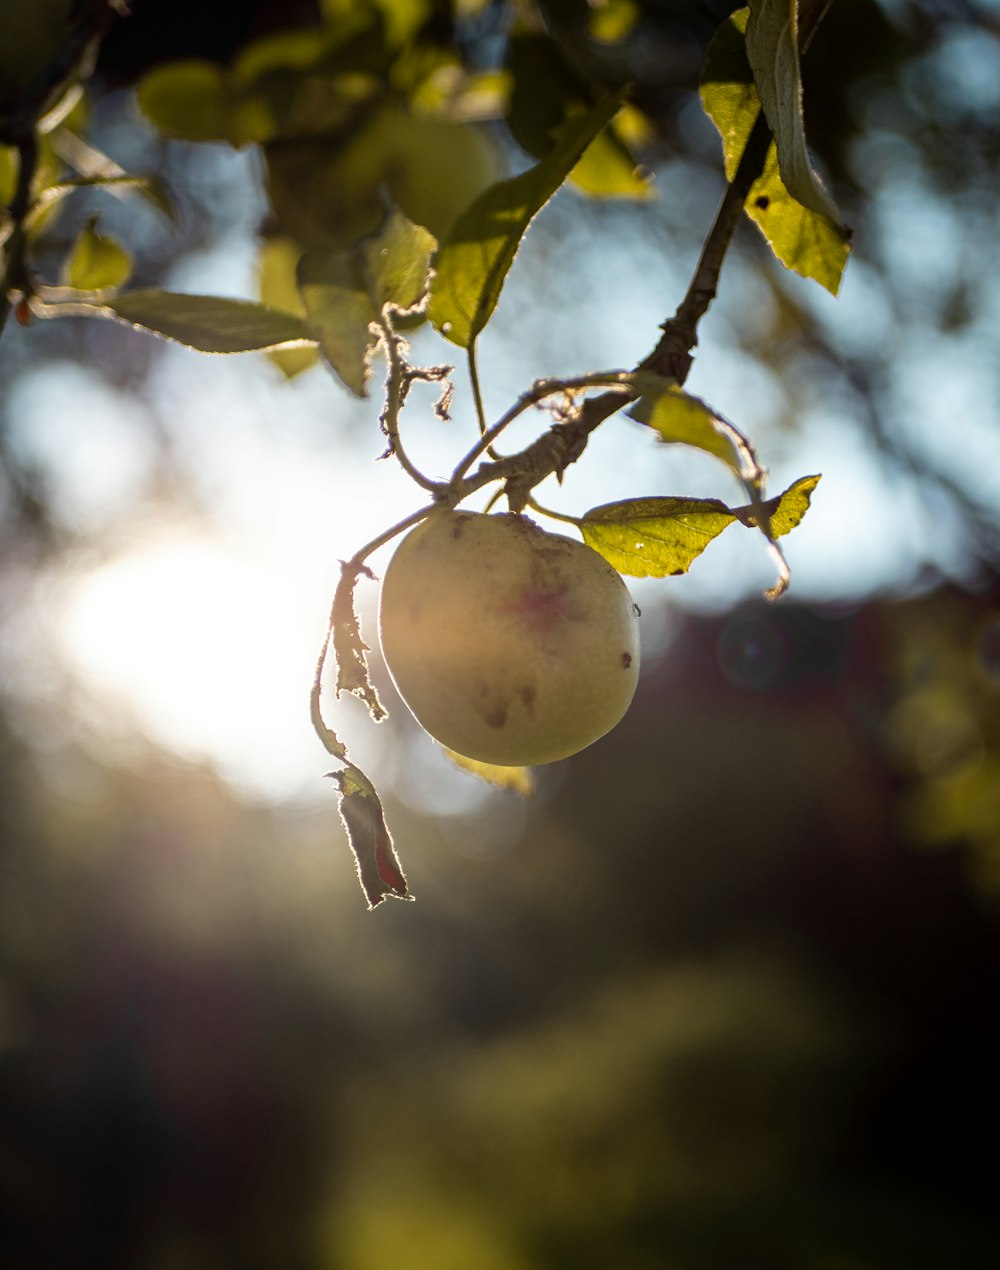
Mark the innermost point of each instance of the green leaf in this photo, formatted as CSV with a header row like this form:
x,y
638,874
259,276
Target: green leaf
x,y
339,313
210,324
679,417
772,45
727,91
188,99
547,89
378,866
612,21
276,265
804,240
654,537
96,261
474,262
397,263
785,511
344,292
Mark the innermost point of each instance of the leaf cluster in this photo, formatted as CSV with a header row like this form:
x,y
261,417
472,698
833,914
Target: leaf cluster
x,y
363,124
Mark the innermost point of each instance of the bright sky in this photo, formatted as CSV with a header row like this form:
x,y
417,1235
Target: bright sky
x,y
204,631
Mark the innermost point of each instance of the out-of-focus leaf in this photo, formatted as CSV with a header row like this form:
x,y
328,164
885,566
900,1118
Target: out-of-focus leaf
x,y
772,46
210,324
96,261
804,240
612,20
397,263
654,537
546,91
375,856
474,261
339,312
333,190
8,174
276,265
786,510
520,780
344,292
189,100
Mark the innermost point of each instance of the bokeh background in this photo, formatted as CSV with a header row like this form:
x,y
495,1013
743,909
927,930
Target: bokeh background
x,y
724,993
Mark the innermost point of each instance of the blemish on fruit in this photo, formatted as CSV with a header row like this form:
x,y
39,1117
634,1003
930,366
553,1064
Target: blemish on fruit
x,y
496,718
626,660
527,695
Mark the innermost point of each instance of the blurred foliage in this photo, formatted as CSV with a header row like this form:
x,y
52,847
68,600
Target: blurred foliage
x,y
654,1027
723,996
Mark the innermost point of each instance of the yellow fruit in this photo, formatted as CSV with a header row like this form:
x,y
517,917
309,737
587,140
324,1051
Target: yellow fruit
x,y
509,644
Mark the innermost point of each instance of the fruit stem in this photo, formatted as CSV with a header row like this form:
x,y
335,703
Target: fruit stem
x,y
553,515
477,392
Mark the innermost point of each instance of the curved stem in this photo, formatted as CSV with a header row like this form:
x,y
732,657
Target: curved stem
x,y
477,392
553,515
397,385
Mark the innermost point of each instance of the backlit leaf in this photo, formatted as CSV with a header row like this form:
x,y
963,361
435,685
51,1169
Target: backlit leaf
x,y
804,240
398,262
772,46
679,417
344,291
474,261
785,511
210,324
654,537
547,89
96,261
276,265
375,856
339,313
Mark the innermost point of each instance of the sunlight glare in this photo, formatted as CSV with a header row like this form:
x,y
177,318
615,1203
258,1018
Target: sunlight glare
x,y
210,652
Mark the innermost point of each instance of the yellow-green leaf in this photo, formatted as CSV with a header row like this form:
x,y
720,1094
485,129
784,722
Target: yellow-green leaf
x,y
276,265
772,45
520,780
397,263
345,291
339,313
786,510
96,261
804,240
679,417
654,537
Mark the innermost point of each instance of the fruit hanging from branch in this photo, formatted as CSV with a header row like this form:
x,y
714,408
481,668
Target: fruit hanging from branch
x,y
510,645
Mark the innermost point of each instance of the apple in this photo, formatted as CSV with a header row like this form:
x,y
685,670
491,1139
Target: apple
x,y
509,644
